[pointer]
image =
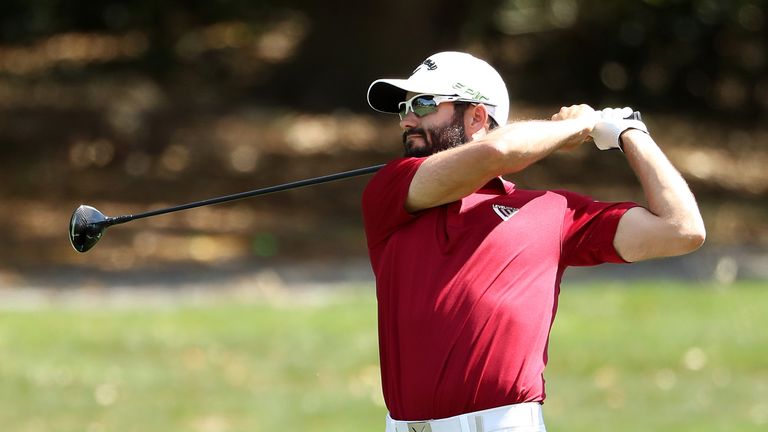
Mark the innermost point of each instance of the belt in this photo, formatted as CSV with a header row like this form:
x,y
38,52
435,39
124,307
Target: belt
x,y
524,417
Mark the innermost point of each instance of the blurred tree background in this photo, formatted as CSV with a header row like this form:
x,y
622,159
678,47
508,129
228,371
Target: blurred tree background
x,y
130,106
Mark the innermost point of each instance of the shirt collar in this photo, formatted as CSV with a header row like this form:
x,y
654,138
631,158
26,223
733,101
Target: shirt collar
x,y
498,184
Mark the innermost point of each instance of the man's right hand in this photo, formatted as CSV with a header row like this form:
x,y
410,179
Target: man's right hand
x,y
587,118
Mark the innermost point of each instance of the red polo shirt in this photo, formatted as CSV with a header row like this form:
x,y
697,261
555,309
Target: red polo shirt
x,y
467,291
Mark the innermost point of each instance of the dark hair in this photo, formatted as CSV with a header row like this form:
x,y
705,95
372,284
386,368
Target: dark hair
x,y
460,107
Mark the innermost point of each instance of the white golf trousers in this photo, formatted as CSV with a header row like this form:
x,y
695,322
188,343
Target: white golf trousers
x,y
524,417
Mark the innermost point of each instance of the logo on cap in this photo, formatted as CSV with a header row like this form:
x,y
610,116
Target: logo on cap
x,y
429,63
474,94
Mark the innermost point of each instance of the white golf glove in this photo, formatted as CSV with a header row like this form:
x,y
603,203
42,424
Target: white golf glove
x,y
613,122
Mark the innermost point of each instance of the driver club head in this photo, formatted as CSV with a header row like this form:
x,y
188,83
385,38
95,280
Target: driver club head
x,y
86,227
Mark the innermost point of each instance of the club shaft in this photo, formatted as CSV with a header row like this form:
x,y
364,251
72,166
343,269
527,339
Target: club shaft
x,y
248,194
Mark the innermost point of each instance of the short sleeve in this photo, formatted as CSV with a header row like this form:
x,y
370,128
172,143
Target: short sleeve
x,y
384,199
589,227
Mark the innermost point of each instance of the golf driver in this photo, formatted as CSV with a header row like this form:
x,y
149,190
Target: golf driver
x,y
87,225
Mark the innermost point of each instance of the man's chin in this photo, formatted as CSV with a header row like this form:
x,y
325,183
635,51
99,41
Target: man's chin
x,y
417,147
418,152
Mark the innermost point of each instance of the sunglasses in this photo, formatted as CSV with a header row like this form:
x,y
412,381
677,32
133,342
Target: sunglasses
x,y
424,104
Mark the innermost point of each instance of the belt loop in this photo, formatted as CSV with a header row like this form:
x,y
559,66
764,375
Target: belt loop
x,y
464,421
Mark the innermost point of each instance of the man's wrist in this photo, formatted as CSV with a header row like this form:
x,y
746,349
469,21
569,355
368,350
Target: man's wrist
x,y
631,137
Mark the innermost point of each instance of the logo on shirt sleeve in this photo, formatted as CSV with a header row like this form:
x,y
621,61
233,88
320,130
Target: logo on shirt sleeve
x,y
504,212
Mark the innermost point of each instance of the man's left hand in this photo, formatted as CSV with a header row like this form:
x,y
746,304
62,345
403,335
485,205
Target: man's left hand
x,y
613,122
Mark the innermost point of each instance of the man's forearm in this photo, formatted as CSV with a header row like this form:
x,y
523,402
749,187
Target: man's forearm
x,y
524,143
453,174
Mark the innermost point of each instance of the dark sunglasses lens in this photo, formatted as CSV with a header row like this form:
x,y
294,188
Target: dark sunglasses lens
x,y
424,105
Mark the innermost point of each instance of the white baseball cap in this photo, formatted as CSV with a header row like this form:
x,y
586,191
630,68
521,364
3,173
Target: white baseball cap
x,y
448,73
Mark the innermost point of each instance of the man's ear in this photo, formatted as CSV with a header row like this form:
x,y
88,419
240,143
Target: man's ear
x,y
478,118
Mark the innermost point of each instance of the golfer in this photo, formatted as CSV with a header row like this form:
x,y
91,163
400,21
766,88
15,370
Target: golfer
x,y
468,266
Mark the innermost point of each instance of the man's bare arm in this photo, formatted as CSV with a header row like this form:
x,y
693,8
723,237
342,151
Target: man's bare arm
x,y
453,174
672,224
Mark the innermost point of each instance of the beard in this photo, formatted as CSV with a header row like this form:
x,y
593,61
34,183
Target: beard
x,y
436,139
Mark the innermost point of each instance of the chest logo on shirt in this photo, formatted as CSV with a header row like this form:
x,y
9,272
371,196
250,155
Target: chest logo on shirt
x,y
504,212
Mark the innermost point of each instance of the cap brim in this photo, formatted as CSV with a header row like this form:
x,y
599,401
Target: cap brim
x,y
384,95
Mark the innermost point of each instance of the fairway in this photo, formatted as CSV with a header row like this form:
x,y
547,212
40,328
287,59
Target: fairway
x,y
630,357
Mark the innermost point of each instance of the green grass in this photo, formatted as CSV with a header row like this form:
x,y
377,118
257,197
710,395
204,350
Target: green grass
x,y
661,357
634,357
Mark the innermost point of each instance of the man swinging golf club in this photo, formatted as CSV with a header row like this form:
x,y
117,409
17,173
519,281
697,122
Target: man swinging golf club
x,y
468,266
